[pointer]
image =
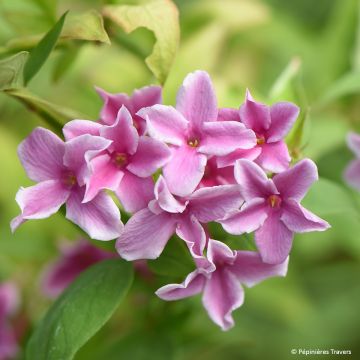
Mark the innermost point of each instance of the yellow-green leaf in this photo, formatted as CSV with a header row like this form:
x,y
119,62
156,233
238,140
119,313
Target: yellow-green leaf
x,y
159,16
12,69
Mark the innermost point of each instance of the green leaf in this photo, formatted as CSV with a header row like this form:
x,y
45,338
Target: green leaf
x,y
175,260
87,26
11,70
159,16
42,51
55,115
80,311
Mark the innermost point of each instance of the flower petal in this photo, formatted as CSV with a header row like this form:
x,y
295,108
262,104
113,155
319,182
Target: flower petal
x,y
249,219
41,155
273,239
146,96
295,182
253,180
150,155
165,123
40,201
100,217
299,219
165,199
196,99
228,114
222,295
104,175
184,171
211,204
145,235
192,285
76,128
223,137
250,269
255,115
353,141
190,230
220,253
352,174
230,159
274,157
134,192
79,150
112,105
283,116
123,134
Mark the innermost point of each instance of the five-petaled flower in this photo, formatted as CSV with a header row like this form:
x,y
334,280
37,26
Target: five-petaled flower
x,y
61,171
220,278
273,207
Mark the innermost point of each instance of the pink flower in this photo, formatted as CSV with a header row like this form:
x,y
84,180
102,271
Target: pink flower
x,y
220,281
193,132
127,164
273,207
74,259
60,170
214,175
146,96
147,232
9,302
271,125
352,172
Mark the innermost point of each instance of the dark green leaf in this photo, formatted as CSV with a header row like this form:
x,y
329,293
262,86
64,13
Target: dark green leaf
x,y
42,51
80,311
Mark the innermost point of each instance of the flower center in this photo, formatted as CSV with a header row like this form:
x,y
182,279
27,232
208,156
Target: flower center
x,y
193,142
69,180
119,159
260,139
274,201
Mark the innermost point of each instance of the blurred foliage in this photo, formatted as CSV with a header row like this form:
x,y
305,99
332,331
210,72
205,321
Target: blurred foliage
x,y
302,51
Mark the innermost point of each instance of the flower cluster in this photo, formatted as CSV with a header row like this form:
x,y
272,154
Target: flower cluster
x,y
230,166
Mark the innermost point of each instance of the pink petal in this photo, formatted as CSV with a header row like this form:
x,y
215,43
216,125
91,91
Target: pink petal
x,y
190,230
228,114
9,348
134,192
214,175
150,155
352,174
104,175
146,96
166,200
299,219
230,159
79,150
222,295
295,182
76,128
165,123
223,137
273,239
145,235
353,141
211,204
40,201
283,116
249,219
184,171
255,115
41,155
192,285
253,180
112,105
219,253
123,134
99,218
9,299
250,269
274,157
196,99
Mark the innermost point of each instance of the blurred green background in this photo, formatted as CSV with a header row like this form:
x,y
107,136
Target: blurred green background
x,y
303,51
